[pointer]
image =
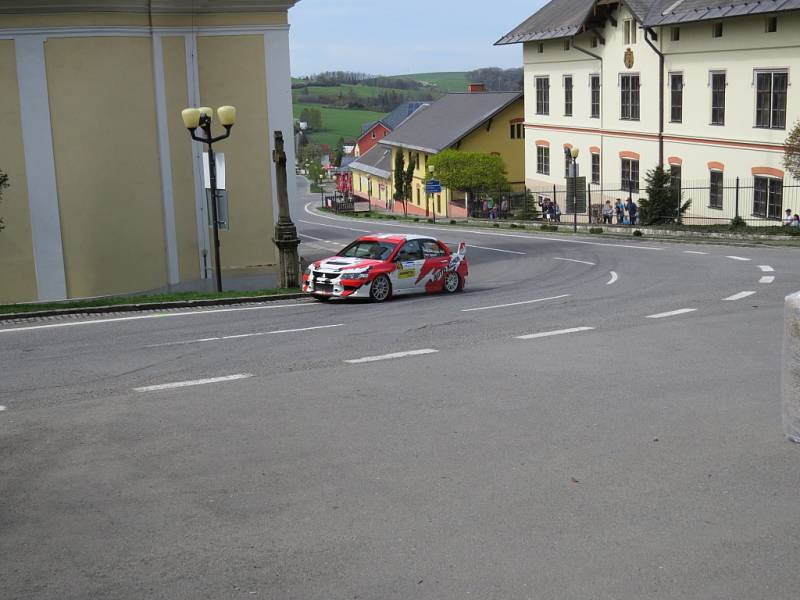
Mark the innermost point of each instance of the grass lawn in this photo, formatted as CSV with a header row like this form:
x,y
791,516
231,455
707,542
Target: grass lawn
x,y
338,122
143,299
362,91
447,82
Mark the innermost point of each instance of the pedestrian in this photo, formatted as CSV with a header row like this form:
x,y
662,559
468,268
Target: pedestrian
x,y
556,212
632,209
619,209
608,213
795,221
504,208
787,218
485,208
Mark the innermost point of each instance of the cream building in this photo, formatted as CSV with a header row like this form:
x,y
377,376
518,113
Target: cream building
x,y
704,87
107,193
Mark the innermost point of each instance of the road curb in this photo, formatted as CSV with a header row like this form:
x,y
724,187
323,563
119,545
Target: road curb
x,y
93,310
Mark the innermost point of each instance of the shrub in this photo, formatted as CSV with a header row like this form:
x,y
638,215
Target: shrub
x,y
595,230
513,225
637,233
737,223
430,220
495,224
546,227
416,219
452,221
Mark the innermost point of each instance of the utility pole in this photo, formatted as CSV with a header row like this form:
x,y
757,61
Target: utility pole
x,y
285,231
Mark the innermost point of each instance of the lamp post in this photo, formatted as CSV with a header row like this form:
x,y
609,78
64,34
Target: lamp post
x,y
430,196
321,191
201,117
573,154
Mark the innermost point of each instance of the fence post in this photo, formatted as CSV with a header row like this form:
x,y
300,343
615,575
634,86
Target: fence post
x,y
737,197
589,203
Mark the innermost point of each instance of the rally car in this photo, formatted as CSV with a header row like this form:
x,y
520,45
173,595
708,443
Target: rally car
x,y
380,266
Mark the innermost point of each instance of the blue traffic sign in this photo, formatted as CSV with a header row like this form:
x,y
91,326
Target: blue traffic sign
x,y
432,186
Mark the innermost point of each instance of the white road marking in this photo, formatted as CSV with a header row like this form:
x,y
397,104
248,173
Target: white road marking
x,y
366,359
244,335
766,268
767,279
514,303
334,226
533,336
737,258
311,237
156,316
450,230
738,296
495,249
2,408
672,313
583,262
613,279
180,384
693,252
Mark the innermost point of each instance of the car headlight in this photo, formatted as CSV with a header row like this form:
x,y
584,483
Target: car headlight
x,y
355,275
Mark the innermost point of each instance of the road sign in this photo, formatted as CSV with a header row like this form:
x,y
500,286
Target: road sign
x,y
576,194
222,209
433,186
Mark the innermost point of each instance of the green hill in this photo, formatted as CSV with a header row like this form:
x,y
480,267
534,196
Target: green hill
x,y
446,82
337,122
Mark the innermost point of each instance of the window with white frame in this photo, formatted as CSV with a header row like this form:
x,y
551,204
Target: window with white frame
x,y
516,131
542,95
771,89
566,45
630,175
716,30
629,31
629,97
715,189
675,34
767,197
567,95
675,175
771,25
676,97
567,161
543,160
594,86
718,84
595,167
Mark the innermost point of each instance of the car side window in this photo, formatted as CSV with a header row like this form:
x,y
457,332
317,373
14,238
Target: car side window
x,y
431,249
410,251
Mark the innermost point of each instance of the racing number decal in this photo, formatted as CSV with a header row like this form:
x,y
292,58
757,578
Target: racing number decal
x,y
407,270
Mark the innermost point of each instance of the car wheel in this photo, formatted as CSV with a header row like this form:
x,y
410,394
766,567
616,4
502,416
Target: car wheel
x,y
452,282
322,298
380,289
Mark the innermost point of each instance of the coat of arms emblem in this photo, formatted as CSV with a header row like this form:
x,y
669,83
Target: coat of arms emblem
x,y
628,58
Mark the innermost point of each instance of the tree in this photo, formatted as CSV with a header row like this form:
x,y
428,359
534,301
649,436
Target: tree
x,y
791,153
469,171
315,119
338,153
408,179
662,204
3,185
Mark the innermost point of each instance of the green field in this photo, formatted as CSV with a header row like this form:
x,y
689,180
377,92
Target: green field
x,y
338,122
363,91
446,82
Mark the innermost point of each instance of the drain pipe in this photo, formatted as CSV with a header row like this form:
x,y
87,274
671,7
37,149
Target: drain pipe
x,y
660,95
602,106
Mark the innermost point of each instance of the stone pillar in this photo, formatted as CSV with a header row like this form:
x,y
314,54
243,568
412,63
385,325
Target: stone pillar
x,y
791,367
285,231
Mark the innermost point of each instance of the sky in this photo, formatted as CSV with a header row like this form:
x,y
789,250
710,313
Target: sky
x,y
391,37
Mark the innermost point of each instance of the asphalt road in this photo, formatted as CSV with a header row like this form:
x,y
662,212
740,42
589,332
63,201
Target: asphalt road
x,y
623,457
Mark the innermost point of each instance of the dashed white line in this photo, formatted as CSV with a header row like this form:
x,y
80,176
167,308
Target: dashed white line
x,y
181,384
672,313
2,408
693,252
767,279
543,334
158,316
244,335
514,303
739,296
583,262
366,359
766,268
613,279
737,258
496,249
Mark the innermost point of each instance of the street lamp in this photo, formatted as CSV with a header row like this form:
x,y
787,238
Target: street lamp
x,y
321,190
573,154
201,117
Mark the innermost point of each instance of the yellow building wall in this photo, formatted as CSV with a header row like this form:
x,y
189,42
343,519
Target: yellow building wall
x,y
498,139
232,71
17,269
107,165
183,185
94,19
361,187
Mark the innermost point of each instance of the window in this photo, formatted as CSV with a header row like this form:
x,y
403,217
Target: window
x,y
675,180
543,160
718,98
675,34
567,95
771,25
410,251
629,105
716,30
676,97
566,45
430,249
540,48
767,197
417,194
595,168
373,135
567,161
594,84
715,190
593,42
629,31
517,132
771,99
542,95
630,175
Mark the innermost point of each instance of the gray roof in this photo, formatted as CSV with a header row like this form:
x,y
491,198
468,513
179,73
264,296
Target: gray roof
x,y
566,18
378,162
441,124
400,114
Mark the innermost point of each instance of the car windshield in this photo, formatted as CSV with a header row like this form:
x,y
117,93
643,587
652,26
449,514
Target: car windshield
x,y
371,250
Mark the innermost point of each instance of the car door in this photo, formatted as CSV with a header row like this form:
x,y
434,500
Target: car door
x,y
409,260
430,277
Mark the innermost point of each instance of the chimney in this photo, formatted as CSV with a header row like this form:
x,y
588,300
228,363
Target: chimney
x,y
476,87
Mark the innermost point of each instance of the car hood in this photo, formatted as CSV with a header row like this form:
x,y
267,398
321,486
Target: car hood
x,y
341,263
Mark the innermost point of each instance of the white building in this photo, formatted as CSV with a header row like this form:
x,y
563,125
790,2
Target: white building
x,y
597,72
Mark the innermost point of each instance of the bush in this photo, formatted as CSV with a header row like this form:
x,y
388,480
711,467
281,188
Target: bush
x,y
495,224
430,220
546,227
737,223
513,225
416,219
595,230
637,233
452,221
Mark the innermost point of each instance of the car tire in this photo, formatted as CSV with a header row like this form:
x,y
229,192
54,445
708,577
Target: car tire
x,y
452,282
381,289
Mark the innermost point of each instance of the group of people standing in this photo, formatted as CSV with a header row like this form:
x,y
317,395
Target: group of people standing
x,y
626,213
791,220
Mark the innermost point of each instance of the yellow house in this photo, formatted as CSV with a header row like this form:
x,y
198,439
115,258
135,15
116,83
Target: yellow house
x,y
372,177
474,121
107,193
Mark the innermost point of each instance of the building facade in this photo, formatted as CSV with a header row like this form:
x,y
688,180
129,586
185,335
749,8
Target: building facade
x,y
701,89
106,189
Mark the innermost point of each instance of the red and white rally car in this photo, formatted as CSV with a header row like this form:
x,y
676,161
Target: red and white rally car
x,y
382,265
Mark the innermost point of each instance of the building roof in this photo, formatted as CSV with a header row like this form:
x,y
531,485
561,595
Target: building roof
x,y
400,114
441,124
378,162
566,18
